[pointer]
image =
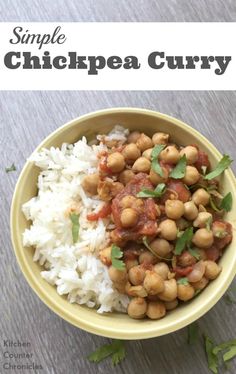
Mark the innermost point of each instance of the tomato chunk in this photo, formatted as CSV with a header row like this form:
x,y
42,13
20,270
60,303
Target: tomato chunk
x,y
178,186
103,213
182,272
202,160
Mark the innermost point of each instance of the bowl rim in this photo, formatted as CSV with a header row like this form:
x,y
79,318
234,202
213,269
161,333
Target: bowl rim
x,y
88,325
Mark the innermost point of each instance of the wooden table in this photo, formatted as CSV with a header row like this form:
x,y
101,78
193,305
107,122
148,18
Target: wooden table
x,y
27,117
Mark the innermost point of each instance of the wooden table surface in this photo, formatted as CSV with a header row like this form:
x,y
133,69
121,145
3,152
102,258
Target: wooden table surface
x,y
27,117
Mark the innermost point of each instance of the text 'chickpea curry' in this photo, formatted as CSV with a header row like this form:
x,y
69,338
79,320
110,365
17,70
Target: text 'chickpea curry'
x,y
168,231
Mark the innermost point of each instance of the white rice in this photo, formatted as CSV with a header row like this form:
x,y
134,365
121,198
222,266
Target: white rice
x,y
74,269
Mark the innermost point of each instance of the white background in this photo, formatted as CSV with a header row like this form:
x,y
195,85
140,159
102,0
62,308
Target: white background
x,y
124,39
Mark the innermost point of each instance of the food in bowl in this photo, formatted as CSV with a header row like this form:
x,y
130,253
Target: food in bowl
x,y
127,222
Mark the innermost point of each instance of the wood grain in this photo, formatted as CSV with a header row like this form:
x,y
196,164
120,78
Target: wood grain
x,y
26,118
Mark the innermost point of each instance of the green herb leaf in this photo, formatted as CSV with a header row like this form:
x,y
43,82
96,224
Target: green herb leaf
x,y
183,241
211,357
116,254
116,350
213,205
11,168
145,242
75,226
192,333
154,158
179,171
194,252
222,165
183,281
209,223
227,202
158,192
230,346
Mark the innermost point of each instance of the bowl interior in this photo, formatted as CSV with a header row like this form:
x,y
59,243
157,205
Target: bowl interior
x,y
118,325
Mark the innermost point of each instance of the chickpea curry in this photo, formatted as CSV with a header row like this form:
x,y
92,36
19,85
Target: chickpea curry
x,y
168,231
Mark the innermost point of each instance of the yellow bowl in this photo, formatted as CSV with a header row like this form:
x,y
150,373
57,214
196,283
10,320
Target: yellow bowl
x,y
117,325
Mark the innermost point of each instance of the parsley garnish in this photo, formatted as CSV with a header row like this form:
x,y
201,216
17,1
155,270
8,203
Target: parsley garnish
x,y
158,192
11,168
192,333
154,159
75,226
227,202
116,350
179,171
183,241
222,165
183,281
194,252
116,254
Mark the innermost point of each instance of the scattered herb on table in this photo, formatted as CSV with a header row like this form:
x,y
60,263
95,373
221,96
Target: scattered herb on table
x,y
116,255
183,241
212,358
226,202
193,333
158,192
221,166
11,168
179,171
116,350
154,159
75,226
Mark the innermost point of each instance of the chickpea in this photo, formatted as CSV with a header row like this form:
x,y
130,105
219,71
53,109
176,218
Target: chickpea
x,y
147,257
144,142
131,152
153,283
170,290
185,292
191,154
142,165
170,305
136,275
203,238
133,137
120,287
160,138
186,259
161,247
116,275
156,178
200,284
128,201
174,209
116,187
191,175
156,310
137,308
162,269
105,256
147,154
201,197
116,162
202,219
129,217
168,229
137,291
212,269
90,183
170,155
130,263
125,176
190,210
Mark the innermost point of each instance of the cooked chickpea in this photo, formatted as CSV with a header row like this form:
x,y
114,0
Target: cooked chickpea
x,y
170,155
168,229
147,154
144,142
142,165
130,263
190,210
117,275
191,175
161,247
128,217
212,269
170,305
153,283
191,154
116,162
137,308
203,238
174,209
162,269
186,259
90,183
201,197
133,137
120,287
137,291
156,310
185,292
147,257
156,178
105,256
202,219
160,138
170,290
131,152
136,275
200,284
128,201
125,176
